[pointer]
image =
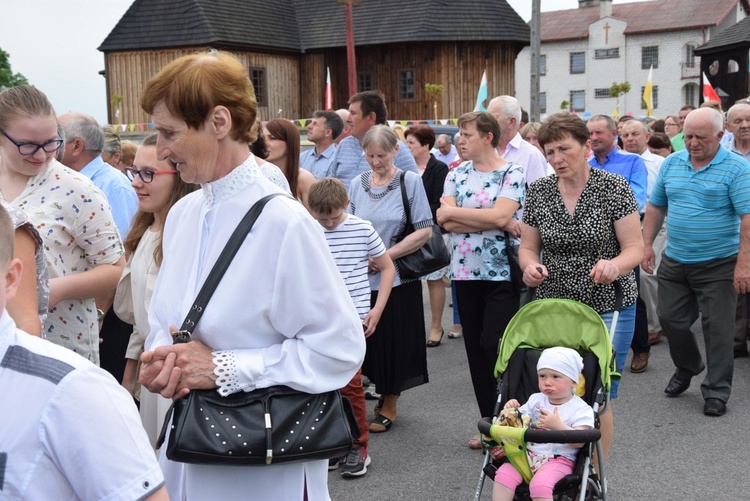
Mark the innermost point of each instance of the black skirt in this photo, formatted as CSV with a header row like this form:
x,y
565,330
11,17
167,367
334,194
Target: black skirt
x,y
396,357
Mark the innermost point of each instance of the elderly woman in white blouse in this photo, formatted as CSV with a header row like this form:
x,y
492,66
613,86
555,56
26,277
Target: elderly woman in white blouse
x,y
281,314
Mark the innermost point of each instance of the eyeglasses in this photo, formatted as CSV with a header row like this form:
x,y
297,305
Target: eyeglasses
x,y
31,148
146,175
666,124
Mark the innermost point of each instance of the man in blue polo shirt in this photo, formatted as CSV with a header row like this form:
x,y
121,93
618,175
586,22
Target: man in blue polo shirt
x,y
366,110
705,190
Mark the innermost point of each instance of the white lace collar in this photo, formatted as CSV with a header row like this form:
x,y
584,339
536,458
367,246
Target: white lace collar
x,y
236,181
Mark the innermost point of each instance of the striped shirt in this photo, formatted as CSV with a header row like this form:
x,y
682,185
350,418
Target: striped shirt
x,y
351,242
703,206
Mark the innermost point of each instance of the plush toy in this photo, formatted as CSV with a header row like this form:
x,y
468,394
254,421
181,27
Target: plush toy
x,y
510,417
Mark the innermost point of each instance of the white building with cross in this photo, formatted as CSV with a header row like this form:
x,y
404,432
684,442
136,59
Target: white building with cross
x,y
586,50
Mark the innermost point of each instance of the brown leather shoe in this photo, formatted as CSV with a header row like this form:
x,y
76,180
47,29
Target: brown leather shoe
x,y
654,337
640,362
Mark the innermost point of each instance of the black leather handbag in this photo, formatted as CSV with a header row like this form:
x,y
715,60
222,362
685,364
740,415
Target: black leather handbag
x,y
269,425
429,258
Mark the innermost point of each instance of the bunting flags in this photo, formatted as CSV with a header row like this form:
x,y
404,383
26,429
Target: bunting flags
x,y
482,94
709,94
648,92
329,91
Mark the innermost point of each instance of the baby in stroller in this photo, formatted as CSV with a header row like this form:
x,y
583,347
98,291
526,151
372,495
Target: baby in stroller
x,y
555,407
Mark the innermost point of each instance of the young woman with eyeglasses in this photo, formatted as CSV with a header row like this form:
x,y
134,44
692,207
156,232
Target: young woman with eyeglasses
x,y
82,247
158,186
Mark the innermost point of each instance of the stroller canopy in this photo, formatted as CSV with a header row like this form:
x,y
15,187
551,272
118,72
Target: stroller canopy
x,y
545,323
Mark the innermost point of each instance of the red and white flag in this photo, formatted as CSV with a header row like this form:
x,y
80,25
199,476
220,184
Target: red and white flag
x,y
709,94
329,92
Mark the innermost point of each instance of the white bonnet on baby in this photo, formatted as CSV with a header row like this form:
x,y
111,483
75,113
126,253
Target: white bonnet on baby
x,y
563,360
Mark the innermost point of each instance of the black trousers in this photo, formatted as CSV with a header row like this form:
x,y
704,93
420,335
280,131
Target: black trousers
x,y
485,308
640,335
115,336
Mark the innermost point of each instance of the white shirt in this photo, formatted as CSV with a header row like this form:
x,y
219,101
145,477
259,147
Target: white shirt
x,y
446,159
281,311
69,431
653,164
527,156
574,413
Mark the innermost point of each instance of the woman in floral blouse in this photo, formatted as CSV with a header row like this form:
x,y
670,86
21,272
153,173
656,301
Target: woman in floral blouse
x,y
81,243
481,200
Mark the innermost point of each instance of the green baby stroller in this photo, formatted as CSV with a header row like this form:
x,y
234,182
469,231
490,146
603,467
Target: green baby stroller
x,y
538,325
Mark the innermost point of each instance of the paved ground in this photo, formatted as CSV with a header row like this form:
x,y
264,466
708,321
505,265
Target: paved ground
x,y
664,449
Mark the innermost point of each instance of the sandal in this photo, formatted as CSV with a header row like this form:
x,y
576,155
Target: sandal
x,y
475,442
456,334
381,424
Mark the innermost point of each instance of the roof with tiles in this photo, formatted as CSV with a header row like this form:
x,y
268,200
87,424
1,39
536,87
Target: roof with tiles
x,y
301,25
642,17
734,36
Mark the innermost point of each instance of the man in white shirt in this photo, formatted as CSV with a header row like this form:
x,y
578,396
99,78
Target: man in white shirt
x,y
322,130
512,147
635,135
444,150
69,430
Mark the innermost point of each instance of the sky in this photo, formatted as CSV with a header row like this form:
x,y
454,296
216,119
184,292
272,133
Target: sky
x,y
54,44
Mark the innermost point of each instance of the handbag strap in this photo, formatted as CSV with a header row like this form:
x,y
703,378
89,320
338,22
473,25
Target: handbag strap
x,y
405,200
221,265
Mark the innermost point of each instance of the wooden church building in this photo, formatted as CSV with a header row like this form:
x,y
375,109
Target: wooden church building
x,y
287,45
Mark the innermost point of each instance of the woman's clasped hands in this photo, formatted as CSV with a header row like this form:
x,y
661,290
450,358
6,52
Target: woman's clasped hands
x,y
174,370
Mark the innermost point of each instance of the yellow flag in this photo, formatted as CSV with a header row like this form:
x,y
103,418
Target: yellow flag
x,y
648,92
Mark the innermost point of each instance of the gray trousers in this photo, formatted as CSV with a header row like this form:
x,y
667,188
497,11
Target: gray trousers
x,y
649,285
684,291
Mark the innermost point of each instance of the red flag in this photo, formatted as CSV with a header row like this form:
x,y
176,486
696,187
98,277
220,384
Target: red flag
x,y
709,94
329,92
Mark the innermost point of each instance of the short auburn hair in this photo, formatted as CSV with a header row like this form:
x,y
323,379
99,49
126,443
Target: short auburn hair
x,y
327,195
193,85
424,134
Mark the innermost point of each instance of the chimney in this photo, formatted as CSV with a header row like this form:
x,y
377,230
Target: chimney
x,y
605,8
587,3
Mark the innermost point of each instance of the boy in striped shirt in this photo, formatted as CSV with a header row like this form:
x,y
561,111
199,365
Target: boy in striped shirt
x,y
353,243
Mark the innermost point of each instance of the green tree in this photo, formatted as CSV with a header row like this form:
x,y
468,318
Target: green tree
x,y
617,90
7,77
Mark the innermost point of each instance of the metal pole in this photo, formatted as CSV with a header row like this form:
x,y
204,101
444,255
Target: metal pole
x,y
535,111
351,62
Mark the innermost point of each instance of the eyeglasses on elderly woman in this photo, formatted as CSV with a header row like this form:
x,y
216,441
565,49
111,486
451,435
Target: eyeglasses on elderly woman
x,y
147,175
29,148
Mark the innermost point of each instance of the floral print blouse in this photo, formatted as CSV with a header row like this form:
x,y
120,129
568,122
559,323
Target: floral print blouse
x,y
76,225
481,255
